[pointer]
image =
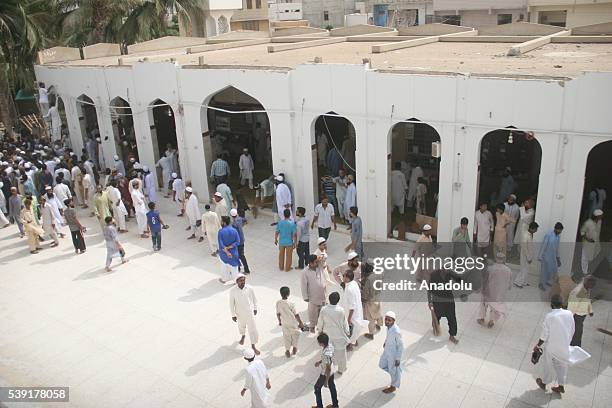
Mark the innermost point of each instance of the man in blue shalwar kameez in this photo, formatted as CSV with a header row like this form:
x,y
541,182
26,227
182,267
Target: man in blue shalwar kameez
x,y
549,256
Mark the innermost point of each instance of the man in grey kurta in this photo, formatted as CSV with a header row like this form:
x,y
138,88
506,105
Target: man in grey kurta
x,y
356,232
313,285
14,207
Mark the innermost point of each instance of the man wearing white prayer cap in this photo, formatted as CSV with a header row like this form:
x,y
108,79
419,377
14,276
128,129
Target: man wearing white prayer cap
x,y
352,263
192,210
119,166
246,166
256,380
423,247
393,348
150,185
243,308
589,232
178,194
221,206
283,197
513,211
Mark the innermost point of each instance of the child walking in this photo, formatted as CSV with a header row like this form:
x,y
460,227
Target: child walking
x,y
113,246
155,225
289,320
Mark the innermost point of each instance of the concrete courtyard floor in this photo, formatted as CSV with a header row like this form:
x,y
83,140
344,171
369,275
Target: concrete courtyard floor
x,y
156,332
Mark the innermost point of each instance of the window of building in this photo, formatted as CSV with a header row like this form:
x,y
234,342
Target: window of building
x,y
326,15
451,19
556,18
504,19
258,4
249,4
252,25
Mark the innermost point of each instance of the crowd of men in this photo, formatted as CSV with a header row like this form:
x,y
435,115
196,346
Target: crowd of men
x,y
43,184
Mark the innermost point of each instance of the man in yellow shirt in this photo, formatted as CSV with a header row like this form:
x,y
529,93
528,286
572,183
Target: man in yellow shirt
x,y
579,303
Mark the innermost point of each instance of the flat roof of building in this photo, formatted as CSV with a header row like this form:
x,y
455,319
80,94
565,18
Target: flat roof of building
x,y
466,53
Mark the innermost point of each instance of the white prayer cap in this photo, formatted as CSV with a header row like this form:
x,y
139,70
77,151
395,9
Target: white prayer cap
x,y
145,168
27,165
321,240
1,184
390,314
57,160
513,196
116,157
351,255
597,213
218,194
8,170
137,166
132,159
97,139
426,227
22,152
233,212
245,150
240,275
48,188
119,175
279,178
189,189
248,353
174,175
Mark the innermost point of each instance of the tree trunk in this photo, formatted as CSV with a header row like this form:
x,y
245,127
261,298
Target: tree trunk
x,y
8,114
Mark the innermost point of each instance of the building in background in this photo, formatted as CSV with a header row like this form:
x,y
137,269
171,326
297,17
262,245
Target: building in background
x,y
327,13
212,18
479,13
570,13
253,16
285,10
397,13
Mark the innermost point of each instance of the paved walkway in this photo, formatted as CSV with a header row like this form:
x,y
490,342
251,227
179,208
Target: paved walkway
x,y
156,332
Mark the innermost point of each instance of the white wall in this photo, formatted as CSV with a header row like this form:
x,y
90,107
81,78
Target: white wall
x,y
461,108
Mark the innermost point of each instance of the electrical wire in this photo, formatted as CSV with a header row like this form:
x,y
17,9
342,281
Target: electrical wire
x,y
335,146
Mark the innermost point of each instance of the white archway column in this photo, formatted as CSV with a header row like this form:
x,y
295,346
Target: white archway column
x,y
194,150
74,125
142,131
447,176
105,126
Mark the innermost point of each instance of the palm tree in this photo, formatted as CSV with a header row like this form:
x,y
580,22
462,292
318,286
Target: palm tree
x,y
21,36
150,19
86,22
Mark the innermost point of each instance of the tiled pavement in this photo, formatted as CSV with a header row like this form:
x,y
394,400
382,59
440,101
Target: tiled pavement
x,y
156,332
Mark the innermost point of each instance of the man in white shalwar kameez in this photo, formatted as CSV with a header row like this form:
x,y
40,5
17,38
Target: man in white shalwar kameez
x,y
283,197
150,185
211,225
89,190
256,380
557,332
77,183
512,210
119,210
119,166
178,194
56,122
192,210
57,207
101,159
393,348
398,188
350,200
415,175
340,181
353,307
165,165
332,321
590,232
322,148
527,255
140,207
483,228
243,308
49,222
220,206
246,166
526,217
497,283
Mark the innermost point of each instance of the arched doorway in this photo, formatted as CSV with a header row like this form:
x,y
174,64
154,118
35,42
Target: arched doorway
x,y
414,176
596,258
163,127
232,121
333,158
123,129
509,164
90,131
